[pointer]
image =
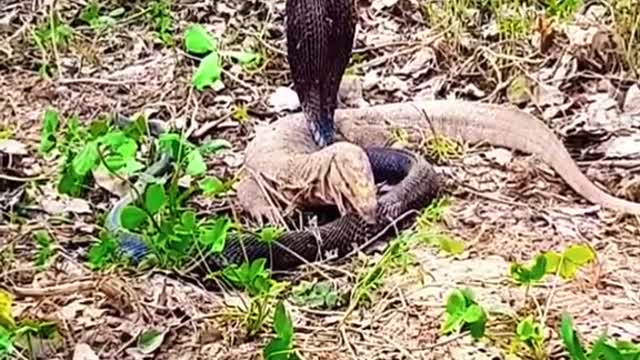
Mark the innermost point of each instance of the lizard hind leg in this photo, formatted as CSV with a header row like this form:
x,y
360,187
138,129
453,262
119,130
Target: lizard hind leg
x,y
341,175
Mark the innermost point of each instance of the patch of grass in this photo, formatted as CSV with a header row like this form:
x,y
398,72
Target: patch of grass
x,y
94,15
256,281
18,338
603,348
44,244
441,148
316,295
627,20
395,255
86,149
161,18
52,32
240,114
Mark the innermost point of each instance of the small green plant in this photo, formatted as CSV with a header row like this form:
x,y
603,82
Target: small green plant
x,y
197,40
240,114
281,346
603,348
531,334
463,312
93,15
105,253
85,149
45,249
17,337
562,9
316,295
212,186
52,32
523,275
162,19
395,255
427,234
567,263
256,281
441,148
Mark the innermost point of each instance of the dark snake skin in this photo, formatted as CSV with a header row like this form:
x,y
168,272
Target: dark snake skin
x,y
319,43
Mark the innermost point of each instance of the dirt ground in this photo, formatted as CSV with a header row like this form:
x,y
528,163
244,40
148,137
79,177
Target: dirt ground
x,y
509,206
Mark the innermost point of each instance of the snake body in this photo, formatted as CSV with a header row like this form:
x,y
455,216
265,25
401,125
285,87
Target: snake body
x,y
414,184
319,44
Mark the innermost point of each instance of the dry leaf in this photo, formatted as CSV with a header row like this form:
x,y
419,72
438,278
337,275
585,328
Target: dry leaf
x,y
284,98
13,147
632,100
84,352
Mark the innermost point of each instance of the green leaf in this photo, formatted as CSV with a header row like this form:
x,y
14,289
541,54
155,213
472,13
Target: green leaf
x,y
102,253
154,198
282,323
86,160
519,273
127,149
570,339
198,40
553,261
150,340
215,237
269,234
188,220
98,128
601,349
456,303
473,314
49,129
277,349
208,71
451,323
568,269
579,254
478,328
538,269
525,329
211,186
132,217
195,163
6,341
6,315
451,246
214,145
243,57
257,267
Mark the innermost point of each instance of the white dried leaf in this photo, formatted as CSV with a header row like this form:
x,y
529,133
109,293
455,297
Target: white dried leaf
x,y
83,351
12,147
56,207
284,98
632,100
471,89
626,146
579,36
419,61
370,80
500,156
393,83
548,95
381,4
111,183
